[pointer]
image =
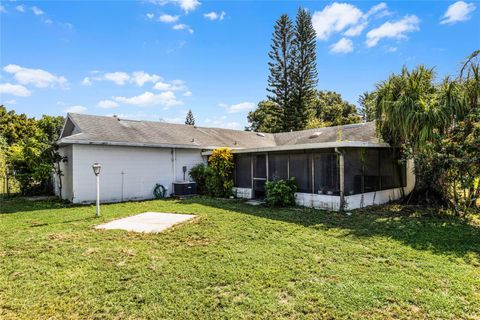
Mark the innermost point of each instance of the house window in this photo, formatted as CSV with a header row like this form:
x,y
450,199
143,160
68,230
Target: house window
x,y
300,167
243,171
353,168
277,166
326,175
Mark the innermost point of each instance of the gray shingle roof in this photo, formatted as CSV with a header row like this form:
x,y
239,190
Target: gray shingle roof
x,y
113,130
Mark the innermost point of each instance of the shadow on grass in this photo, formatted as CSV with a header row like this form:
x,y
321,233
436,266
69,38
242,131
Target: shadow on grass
x,y
417,227
18,204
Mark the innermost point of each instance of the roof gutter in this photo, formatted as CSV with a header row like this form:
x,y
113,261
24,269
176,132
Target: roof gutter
x,y
307,146
63,142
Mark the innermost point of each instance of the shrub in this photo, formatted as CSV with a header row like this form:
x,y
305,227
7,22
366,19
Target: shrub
x,y
280,193
219,182
199,174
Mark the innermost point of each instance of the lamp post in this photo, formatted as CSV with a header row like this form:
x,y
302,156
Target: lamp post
x,y
96,170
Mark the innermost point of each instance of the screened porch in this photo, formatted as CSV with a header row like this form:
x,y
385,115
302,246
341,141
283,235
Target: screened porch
x,y
341,172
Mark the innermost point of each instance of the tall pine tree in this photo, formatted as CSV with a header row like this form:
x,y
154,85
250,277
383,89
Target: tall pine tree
x,y
190,120
279,83
304,72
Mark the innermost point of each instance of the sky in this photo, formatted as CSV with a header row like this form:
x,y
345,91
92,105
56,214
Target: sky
x,y
155,60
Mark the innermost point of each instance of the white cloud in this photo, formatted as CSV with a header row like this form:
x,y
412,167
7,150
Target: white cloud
x,y
2,9
459,11
76,109
187,93
394,30
344,45
239,107
37,11
182,26
162,86
39,78
20,8
166,99
338,17
12,101
150,16
168,18
141,77
174,85
391,49
335,18
107,104
188,5
214,16
119,78
222,122
14,89
380,8
355,30
86,81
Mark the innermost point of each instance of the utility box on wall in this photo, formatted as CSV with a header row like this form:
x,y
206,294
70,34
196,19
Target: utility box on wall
x,y
184,188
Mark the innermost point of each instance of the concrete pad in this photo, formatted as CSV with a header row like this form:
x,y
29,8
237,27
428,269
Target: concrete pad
x,y
255,202
153,222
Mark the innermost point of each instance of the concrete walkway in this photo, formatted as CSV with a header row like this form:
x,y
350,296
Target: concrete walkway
x,y
147,222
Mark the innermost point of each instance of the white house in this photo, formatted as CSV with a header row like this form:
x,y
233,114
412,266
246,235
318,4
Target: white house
x,y
136,155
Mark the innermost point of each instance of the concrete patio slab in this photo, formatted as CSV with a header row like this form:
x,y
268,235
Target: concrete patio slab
x,y
150,222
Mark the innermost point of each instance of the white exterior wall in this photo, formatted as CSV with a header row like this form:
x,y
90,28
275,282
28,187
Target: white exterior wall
x,y
243,193
318,201
128,173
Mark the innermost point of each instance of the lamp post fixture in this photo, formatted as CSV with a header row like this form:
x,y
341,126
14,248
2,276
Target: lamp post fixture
x,y
96,170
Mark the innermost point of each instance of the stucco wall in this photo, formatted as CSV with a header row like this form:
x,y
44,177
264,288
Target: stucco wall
x,y
128,173
242,193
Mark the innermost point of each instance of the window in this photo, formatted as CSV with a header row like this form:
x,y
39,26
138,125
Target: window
x,y
277,166
243,171
300,168
326,174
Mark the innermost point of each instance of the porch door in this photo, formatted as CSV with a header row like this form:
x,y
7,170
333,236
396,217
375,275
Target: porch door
x,y
259,174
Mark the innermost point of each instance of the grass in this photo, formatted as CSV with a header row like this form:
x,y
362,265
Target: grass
x,y
236,261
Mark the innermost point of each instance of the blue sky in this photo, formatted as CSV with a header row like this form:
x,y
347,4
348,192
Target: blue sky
x,y
157,59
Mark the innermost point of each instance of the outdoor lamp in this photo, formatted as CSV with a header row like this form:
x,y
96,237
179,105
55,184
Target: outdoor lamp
x,y
96,170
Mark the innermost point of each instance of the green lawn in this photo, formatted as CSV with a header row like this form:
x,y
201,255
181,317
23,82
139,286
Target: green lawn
x,y
236,261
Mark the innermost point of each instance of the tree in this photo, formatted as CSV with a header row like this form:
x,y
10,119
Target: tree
x,y
280,66
265,118
329,109
190,120
304,72
30,150
419,117
367,106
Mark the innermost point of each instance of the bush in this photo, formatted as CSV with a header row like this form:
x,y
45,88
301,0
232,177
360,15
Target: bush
x,y
199,174
280,193
219,182
215,179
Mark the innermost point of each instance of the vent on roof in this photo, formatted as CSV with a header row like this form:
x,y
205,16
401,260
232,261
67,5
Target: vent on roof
x,y
315,135
260,134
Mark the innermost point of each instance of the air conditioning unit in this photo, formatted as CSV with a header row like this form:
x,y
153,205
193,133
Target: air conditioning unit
x,y
184,188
